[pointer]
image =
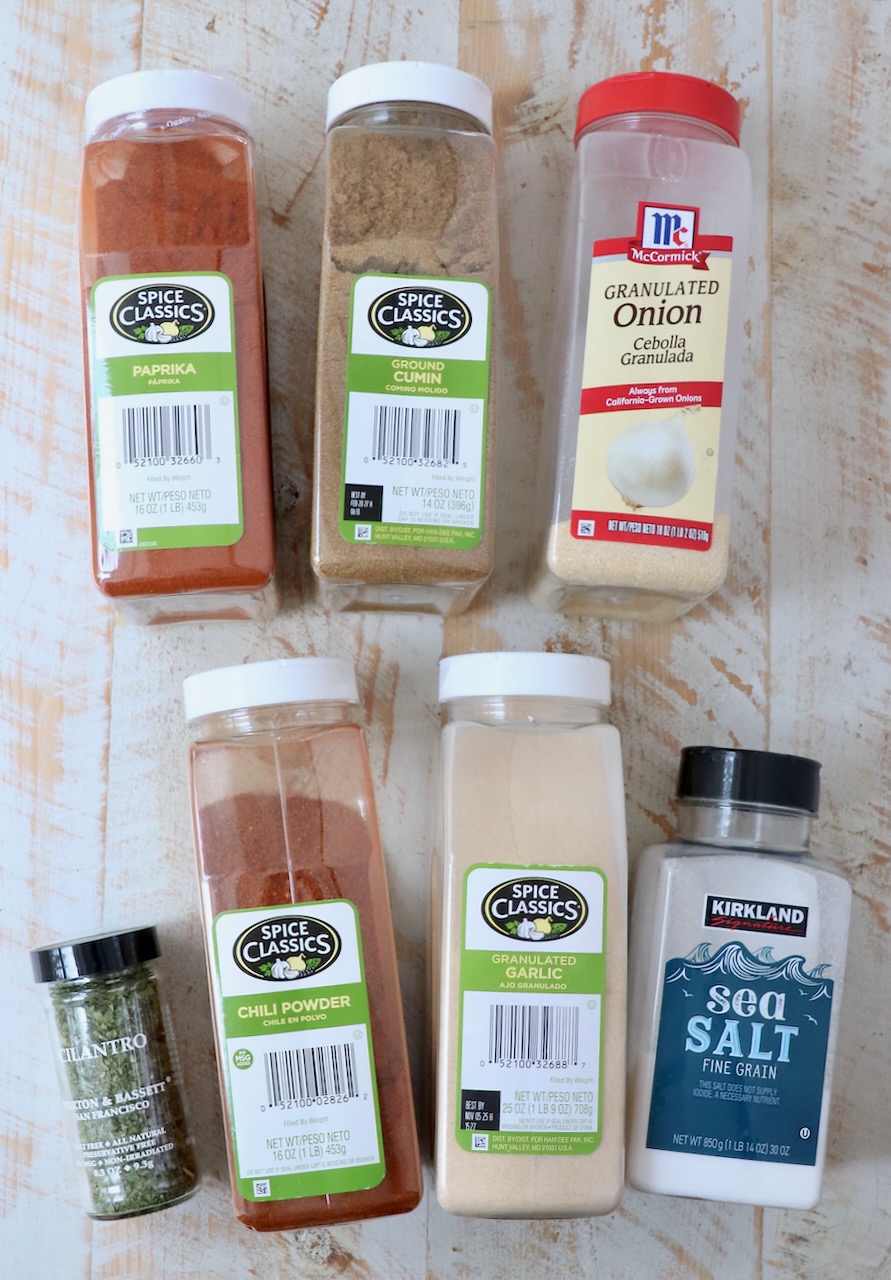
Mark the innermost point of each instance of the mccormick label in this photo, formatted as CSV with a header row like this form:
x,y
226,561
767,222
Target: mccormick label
x,y
532,982
295,1038
165,411
652,383
414,458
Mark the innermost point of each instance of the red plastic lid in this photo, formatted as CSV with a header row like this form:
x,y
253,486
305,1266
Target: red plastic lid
x,y
661,91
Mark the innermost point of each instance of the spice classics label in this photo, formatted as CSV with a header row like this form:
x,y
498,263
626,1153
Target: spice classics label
x,y
292,1005
741,1055
166,454
416,412
532,982
652,384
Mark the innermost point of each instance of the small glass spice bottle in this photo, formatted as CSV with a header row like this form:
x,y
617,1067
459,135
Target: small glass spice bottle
x,y
738,942
119,1072
640,417
529,939
175,350
403,491
311,1046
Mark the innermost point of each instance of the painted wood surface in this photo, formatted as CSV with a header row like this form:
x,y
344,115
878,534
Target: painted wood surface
x,y
793,654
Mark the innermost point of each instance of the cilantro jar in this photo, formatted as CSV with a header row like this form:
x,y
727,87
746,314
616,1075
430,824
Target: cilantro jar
x,y
118,1071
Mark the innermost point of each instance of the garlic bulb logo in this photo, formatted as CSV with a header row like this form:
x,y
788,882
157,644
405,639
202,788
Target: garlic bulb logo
x,y
652,464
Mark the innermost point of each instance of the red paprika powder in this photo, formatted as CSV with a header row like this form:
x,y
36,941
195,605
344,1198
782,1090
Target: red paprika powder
x,y
175,356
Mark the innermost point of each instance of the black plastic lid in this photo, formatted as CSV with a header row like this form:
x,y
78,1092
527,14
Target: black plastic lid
x,y
731,774
91,957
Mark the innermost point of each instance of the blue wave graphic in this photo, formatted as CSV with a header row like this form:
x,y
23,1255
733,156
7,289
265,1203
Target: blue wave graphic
x,y
736,961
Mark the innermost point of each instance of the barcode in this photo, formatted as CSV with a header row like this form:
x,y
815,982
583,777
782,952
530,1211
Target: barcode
x,y
531,1032
165,431
301,1075
409,432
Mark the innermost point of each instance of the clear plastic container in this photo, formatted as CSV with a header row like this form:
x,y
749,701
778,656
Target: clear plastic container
x,y
311,1044
640,419
738,943
175,351
529,939
119,1072
403,491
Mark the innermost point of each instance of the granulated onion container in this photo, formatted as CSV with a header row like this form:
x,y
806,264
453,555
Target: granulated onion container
x,y
529,939
311,1047
404,483
738,943
175,350
641,406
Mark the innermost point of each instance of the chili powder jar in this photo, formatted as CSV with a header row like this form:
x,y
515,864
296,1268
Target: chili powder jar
x,y
119,1072
310,1037
640,413
175,351
403,491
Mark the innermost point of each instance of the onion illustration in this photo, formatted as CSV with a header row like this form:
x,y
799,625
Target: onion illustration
x,y
652,464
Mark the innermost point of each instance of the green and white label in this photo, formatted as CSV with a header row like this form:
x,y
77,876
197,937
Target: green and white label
x,y
533,972
414,458
165,411
293,1019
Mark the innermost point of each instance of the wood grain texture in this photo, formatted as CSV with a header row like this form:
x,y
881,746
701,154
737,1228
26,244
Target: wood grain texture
x,y
793,654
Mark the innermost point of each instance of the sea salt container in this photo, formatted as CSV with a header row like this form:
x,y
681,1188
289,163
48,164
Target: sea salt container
x,y
640,416
738,941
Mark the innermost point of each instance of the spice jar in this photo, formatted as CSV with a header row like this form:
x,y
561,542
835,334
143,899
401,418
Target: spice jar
x,y
310,1039
529,983
119,1072
641,409
403,514
738,943
175,354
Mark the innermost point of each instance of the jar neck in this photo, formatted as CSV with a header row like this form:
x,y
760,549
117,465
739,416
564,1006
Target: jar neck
x,y
158,122
744,825
656,122
247,720
526,711
410,115
90,982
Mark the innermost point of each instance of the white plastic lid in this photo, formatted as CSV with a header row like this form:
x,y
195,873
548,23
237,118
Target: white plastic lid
x,y
552,675
174,89
410,82
267,684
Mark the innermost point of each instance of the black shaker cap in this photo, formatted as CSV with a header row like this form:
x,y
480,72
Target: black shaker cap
x,y
732,774
92,957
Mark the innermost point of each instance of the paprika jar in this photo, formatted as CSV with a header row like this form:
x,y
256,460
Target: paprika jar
x,y
403,491
738,944
640,416
530,939
311,1046
175,350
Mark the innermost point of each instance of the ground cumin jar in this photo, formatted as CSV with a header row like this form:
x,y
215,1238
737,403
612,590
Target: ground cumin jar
x,y
529,939
738,943
403,493
311,1045
175,358
641,407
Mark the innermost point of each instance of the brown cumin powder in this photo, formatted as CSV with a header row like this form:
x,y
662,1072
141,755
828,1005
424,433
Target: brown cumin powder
x,y
410,191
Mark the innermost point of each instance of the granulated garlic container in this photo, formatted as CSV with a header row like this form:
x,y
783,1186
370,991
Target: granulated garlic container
x,y
529,939
641,408
738,941
403,491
